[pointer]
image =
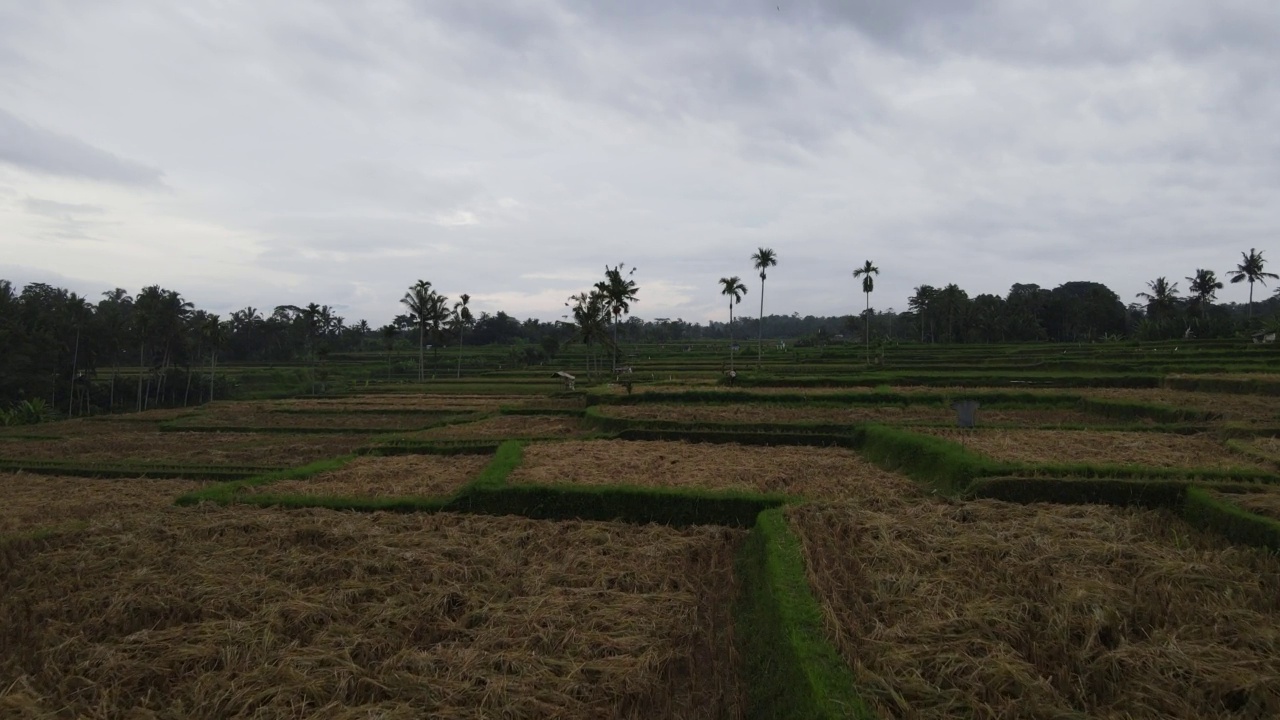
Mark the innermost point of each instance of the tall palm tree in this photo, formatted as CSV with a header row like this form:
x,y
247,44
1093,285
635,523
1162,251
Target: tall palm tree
x,y
214,333
733,287
437,317
618,291
1161,299
389,341
865,272
1204,289
1250,268
590,317
418,301
459,320
762,259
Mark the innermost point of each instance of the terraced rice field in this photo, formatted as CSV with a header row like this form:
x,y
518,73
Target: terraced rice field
x,y
993,610
396,476
505,427
1100,447
811,472
194,448
38,502
236,416
214,612
1243,409
398,402
891,414
1266,502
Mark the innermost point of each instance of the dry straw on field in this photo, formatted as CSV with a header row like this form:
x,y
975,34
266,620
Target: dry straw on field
x,y
812,472
1266,502
191,448
33,502
892,414
234,415
1095,447
993,610
212,612
426,403
505,427
1233,407
395,476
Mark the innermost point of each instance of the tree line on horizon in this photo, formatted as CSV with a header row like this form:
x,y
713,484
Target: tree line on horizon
x,y
57,343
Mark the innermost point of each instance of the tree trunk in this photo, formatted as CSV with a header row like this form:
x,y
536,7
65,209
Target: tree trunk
x,y
142,370
760,336
731,335
421,353
75,359
460,333
213,372
867,317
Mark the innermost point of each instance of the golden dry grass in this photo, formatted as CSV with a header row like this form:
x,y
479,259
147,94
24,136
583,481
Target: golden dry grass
x,y
395,476
1266,502
193,448
32,502
1248,409
891,414
426,403
1269,446
212,612
505,427
812,472
236,415
1100,447
992,610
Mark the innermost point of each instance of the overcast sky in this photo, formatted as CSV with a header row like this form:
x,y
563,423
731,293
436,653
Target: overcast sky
x,y
267,153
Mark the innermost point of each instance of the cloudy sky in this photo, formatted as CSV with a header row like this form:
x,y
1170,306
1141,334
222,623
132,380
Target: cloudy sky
x,y
267,153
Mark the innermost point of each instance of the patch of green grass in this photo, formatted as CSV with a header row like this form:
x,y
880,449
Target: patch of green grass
x,y
790,669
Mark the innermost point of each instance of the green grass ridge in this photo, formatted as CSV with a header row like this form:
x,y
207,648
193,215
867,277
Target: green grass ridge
x,y
792,671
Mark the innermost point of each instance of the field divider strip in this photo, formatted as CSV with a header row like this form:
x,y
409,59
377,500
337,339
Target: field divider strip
x,y
1236,523
790,668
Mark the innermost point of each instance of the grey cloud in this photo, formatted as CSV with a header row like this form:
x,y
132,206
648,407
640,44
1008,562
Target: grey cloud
x,y
40,150
59,210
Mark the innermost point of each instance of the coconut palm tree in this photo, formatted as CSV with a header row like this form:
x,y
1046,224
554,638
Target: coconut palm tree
x,y
865,272
1204,289
762,259
618,291
389,341
1250,268
1161,299
458,321
732,287
590,318
437,317
418,301
214,334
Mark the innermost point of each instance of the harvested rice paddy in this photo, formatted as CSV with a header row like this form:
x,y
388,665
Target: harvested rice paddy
x,y
394,476
812,472
891,414
1265,503
400,402
235,416
506,427
1233,407
1100,447
224,448
35,502
994,610
212,612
